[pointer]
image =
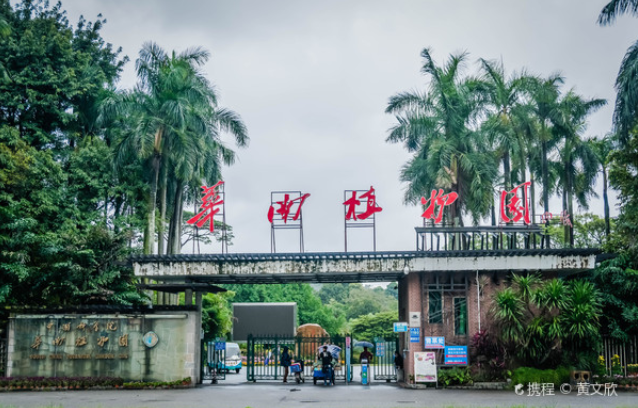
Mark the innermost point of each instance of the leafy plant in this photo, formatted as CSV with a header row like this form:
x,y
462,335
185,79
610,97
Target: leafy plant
x,y
455,376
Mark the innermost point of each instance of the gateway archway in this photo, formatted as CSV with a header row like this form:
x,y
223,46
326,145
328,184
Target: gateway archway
x,y
433,284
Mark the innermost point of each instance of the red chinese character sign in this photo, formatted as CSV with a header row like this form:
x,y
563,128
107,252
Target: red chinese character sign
x,y
352,203
515,204
212,206
285,208
437,201
285,213
360,212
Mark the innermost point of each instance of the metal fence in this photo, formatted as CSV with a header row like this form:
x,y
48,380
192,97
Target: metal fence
x,y
214,358
264,352
626,352
383,362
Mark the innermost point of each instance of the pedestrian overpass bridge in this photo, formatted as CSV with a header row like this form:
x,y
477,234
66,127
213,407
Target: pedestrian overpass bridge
x,y
324,267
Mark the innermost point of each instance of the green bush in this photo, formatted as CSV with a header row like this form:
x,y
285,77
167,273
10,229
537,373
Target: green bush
x,y
525,375
455,376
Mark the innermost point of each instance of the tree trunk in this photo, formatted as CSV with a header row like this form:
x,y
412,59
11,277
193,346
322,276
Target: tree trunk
x,y
493,213
174,238
162,224
606,203
149,232
545,176
507,174
178,235
117,210
567,205
570,214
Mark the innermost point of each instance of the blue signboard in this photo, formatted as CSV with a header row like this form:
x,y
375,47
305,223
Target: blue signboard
x,y
434,342
455,355
379,349
400,327
415,335
220,345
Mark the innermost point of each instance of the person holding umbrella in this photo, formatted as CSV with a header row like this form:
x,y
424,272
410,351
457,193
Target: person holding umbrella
x,y
365,355
326,362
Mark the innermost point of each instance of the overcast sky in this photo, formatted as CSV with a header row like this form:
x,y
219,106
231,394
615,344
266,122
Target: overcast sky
x,y
311,80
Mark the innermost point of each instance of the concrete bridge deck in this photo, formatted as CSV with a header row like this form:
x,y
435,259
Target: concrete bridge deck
x,y
355,266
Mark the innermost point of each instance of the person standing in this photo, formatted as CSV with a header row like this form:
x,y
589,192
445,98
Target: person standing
x,y
326,364
398,365
365,355
286,360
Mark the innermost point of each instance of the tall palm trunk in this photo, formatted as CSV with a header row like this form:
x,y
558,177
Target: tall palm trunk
x,y
606,202
532,195
162,224
545,176
567,202
570,213
507,171
174,238
149,232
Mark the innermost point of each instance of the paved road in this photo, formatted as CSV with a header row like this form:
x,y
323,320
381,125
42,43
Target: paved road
x,y
291,395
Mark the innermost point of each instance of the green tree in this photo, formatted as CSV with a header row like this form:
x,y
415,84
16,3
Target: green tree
x,y
543,323
504,96
618,283
310,308
602,149
53,73
338,292
369,326
544,97
62,241
217,319
176,126
626,107
577,161
439,127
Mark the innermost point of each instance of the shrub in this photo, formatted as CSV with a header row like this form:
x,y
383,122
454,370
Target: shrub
x,y
455,376
525,375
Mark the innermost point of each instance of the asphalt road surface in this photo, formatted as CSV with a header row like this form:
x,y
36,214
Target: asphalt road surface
x,y
235,392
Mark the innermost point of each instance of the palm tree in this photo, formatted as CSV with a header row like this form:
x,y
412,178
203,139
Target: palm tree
x,y
543,104
602,148
626,107
175,124
578,161
440,128
615,8
504,98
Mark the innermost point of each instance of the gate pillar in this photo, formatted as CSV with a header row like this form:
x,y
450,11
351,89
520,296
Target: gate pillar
x,y
410,300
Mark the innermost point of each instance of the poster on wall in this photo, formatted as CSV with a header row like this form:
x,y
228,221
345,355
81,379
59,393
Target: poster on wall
x,y
415,335
430,342
415,319
455,355
425,366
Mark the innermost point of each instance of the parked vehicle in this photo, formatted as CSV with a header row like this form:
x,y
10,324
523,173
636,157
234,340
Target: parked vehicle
x,y
233,360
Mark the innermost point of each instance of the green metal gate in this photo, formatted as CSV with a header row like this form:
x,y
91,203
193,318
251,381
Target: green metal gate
x,y
213,356
383,362
264,352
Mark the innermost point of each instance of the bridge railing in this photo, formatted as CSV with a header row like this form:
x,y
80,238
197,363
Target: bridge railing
x,y
447,238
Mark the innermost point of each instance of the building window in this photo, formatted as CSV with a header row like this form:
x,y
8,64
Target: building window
x,y
435,308
460,316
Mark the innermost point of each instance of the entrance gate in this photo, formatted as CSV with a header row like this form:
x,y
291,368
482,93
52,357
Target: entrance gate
x,y
383,362
213,356
264,354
